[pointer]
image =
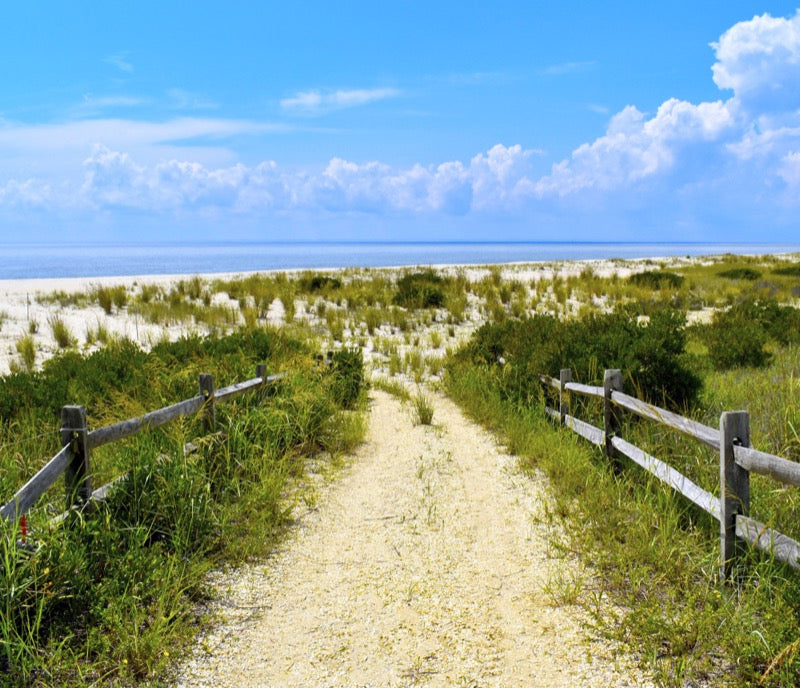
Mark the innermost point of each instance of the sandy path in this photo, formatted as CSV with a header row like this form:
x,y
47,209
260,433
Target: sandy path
x,y
424,565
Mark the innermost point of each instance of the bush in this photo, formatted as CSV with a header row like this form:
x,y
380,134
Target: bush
x,y
316,283
789,270
737,337
347,367
741,274
651,355
420,290
660,279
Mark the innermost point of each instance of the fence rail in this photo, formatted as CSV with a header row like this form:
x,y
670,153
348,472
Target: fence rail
x,y
737,460
72,460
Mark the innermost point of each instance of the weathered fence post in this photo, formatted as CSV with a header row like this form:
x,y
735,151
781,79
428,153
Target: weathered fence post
x,y
734,481
77,481
209,412
261,371
564,376
612,382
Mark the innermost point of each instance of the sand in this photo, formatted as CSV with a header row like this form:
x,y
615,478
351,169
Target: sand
x,y
25,310
428,562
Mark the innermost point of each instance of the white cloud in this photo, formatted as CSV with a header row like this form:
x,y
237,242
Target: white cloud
x,y
494,181
568,68
124,133
635,147
181,99
92,101
760,61
120,61
318,101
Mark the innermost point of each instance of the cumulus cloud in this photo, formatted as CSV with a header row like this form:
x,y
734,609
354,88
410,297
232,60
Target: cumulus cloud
x,y
759,60
319,101
490,181
635,147
685,144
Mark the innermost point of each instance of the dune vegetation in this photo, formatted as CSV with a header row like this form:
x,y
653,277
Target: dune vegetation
x,y
700,336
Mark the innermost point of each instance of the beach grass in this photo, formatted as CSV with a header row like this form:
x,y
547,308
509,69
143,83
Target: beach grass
x,y
112,594
653,556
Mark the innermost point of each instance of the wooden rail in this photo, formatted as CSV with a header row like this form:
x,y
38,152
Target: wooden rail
x,y
72,460
737,461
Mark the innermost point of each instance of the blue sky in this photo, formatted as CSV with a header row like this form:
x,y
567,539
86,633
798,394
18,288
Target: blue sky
x,y
400,121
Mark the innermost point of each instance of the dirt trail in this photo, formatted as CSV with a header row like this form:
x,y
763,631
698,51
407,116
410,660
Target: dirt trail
x,y
424,565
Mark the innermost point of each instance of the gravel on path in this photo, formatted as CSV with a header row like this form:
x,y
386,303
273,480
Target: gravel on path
x,y
426,563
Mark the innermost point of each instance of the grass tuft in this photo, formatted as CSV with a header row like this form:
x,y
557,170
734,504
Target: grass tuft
x,y
422,409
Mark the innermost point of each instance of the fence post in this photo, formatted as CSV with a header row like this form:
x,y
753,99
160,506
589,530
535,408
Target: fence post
x,y
564,376
261,371
612,382
734,482
209,412
77,481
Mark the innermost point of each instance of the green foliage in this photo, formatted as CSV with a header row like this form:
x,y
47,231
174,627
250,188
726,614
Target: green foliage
x,y
420,290
347,368
61,332
26,348
741,274
651,553
659,279
422,409
739,335
107,297
651,355
792,270
104,593
315,283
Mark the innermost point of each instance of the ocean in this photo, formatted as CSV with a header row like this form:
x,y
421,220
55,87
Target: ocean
x,y
22,261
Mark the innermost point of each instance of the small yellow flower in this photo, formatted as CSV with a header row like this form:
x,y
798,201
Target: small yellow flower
x,y
166,654
124,661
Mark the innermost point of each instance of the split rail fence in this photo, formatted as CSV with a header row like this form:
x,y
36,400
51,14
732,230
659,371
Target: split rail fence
x,y
73,460
737,459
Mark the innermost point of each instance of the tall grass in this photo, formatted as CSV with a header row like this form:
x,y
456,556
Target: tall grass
x,y
107,595
653,554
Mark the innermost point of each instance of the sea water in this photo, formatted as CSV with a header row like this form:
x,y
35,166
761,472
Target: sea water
x,y
20,261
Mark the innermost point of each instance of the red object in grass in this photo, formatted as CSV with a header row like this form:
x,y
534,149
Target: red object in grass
x,y
23,525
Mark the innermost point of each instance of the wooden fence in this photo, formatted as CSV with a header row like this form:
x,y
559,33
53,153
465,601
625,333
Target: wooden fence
x,y
736,461
73,460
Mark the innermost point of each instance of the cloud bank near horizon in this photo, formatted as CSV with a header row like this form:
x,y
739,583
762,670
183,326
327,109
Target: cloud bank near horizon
x,y
739,154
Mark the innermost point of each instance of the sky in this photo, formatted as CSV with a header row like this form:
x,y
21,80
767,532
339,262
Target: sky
x,y
399,121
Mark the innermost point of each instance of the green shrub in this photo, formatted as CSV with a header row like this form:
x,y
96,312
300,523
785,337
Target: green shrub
x,y
316,283
738,336
347,368
741,274
659,279
420,290
789,270
651,355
